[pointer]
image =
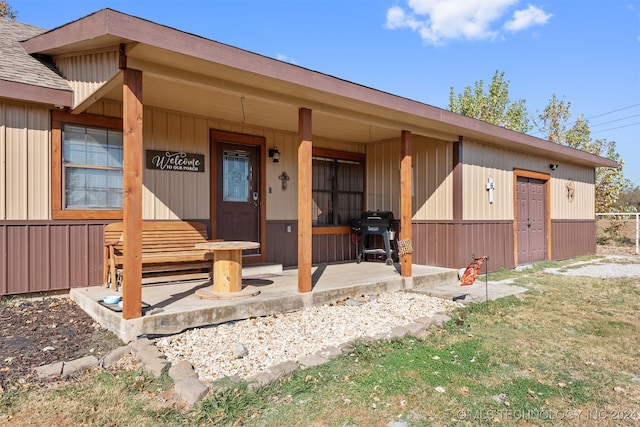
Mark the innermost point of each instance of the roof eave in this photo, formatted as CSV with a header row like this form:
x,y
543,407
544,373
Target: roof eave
x,y
108,25
39,94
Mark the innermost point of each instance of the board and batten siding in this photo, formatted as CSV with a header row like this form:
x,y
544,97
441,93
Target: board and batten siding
x,y
186,195
86,73
175,195
24,162
582,205
482,161
171,195
432,181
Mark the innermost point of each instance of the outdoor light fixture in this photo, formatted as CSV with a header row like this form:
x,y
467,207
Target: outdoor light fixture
x,y
553,166
274,154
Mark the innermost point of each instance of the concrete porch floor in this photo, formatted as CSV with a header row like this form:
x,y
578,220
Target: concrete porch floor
x,y
174,307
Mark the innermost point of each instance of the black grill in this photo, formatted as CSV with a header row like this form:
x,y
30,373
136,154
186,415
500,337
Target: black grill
x,y
374,223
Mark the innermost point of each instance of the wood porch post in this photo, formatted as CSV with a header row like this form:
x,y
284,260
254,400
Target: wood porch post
x,y
405,200
304,200
132,211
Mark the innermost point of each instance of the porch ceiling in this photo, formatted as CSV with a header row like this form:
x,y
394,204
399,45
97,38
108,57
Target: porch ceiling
x,y
230,94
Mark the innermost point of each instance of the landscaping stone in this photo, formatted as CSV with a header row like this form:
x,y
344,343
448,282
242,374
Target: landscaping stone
x,y
261,379
48,371
416,329
284,368
329,353
190,390
182,370
439,319
79,365
398,332
147,354
311,361
115,355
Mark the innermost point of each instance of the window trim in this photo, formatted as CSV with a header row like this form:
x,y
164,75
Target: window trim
x,y
340,155
58,119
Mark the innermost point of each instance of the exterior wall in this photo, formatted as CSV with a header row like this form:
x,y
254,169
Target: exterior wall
x,y
481,161
432,181
583,204
175,195
43,255
383,177
452,244
571,238
106,108
24,162
40,256
47,255
86,73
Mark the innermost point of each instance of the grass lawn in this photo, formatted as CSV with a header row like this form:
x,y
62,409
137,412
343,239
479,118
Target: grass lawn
x,y
565,353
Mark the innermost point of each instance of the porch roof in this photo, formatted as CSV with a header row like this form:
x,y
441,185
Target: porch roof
x,y
185,72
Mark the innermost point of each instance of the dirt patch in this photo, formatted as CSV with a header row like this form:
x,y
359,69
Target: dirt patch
x,y
39,332
616,250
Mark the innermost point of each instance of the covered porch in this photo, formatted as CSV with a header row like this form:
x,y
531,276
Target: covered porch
x,y
174,307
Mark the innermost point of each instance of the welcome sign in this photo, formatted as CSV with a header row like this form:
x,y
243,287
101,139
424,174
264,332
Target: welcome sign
x,y
175,161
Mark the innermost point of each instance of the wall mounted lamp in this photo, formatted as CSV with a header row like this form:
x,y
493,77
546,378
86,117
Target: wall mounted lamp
x,y
274,154
553,166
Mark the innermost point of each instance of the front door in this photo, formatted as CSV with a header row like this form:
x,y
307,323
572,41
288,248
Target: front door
x,y
238,195
531,203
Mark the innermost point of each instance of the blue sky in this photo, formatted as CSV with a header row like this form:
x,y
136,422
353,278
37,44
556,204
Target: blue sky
x,y
587,51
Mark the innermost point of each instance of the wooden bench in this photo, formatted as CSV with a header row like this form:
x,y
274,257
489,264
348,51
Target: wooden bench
x,y
168,252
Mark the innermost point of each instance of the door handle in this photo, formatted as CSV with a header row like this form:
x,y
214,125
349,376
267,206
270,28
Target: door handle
x,y
528,222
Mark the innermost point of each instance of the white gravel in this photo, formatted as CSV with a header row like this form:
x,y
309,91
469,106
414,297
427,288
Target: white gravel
x,y
286,337
612,266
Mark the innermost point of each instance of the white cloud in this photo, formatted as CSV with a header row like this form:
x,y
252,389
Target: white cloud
x,y
437,21
525,18
285,58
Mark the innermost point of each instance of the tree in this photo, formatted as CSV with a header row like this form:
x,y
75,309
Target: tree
x,y
610,182
492,106
6,11
629,200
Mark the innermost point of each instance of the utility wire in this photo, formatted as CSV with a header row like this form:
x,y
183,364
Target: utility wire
x,y
614,111
613,121
619,127
604,114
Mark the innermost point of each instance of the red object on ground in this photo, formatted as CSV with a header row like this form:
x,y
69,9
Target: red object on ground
x,y
472,270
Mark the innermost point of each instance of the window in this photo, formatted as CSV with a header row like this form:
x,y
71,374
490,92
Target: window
x,y
235,176
91,167
87,167
338,187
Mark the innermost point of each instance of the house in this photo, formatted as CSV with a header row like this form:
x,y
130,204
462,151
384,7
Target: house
x,y
85,109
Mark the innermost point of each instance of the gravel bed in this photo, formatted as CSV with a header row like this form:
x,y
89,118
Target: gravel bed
x,y
613,266
214,351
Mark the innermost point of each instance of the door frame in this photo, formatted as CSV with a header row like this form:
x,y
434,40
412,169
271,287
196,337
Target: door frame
x,y
517,173
216,135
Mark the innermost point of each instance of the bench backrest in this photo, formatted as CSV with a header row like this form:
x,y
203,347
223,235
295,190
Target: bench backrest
x,y
161,236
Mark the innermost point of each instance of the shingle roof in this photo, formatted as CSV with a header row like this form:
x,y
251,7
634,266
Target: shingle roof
x,y
19,67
